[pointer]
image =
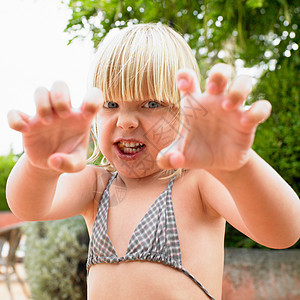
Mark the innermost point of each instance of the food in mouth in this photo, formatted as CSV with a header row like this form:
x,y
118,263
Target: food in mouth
x,y
130,147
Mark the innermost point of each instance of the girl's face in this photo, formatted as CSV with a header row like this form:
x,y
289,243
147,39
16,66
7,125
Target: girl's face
x,y
131,134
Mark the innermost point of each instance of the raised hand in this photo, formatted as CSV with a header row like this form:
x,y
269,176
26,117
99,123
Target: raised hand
x,y
57,137
216,131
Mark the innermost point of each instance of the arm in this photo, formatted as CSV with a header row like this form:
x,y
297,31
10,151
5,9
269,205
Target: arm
x,y
238,184
259,203
36,194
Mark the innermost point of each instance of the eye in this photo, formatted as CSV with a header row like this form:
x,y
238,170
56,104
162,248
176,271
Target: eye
x,y
111,104
152,104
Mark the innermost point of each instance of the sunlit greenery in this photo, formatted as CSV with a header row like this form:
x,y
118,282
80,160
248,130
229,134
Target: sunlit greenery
x,y
6,164
257,31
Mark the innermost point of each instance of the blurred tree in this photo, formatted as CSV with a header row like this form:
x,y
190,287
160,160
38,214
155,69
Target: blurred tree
x,y
278,139
257,31
6,164
55,258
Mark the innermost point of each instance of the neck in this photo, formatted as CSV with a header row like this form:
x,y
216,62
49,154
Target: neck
x,y
143,181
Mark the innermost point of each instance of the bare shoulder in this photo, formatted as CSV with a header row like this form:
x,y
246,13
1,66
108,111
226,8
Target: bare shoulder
x,y
100,180
102,177
76,192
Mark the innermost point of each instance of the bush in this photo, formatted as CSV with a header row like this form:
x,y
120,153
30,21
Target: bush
x,y
6,164
55,259
277,140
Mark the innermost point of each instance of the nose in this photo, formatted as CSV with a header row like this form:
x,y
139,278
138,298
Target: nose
x,y
127,120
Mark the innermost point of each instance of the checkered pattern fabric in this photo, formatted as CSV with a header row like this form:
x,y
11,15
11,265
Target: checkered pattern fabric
x,y
154,239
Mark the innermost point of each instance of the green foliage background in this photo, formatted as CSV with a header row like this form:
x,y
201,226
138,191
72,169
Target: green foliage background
x,y
256,31
278,139
6,164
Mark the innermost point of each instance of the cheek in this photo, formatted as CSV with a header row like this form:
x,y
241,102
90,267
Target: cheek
x,y
162,131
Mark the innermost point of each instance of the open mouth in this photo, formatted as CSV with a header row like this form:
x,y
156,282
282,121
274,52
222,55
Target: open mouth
x,y
130,147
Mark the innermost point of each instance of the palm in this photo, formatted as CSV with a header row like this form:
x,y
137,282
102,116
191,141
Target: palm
x,y
211,137
64,136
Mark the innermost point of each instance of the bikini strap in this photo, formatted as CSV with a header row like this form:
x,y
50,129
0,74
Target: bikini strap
x,y
111,180
171,182
188,274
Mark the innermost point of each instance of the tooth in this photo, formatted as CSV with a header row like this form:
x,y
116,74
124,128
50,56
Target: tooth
x,y
124,144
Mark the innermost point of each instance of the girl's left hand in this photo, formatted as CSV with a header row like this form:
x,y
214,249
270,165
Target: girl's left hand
x,y
216,131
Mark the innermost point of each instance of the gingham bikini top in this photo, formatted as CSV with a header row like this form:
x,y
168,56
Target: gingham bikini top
x,y
154,239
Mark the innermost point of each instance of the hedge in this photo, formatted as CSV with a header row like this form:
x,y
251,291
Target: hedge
x,y
55,259
6,164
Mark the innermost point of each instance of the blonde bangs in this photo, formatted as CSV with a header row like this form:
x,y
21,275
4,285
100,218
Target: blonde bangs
x,y
140,63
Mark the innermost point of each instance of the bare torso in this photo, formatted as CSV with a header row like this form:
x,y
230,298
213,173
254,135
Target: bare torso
x,y
201,236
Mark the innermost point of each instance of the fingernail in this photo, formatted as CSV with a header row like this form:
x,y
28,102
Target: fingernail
x,y
227,105
216,83
183,83
211,87
245,121
57,161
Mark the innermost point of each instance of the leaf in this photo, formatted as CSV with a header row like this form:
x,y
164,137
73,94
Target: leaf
x,y
255,3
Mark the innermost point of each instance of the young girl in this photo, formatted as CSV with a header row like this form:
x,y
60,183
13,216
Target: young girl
x,y
178,164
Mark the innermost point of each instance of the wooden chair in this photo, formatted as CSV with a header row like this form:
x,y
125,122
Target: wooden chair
x,y
12,235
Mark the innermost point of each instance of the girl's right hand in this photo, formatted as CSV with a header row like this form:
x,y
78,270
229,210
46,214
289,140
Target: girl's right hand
x,y
57,137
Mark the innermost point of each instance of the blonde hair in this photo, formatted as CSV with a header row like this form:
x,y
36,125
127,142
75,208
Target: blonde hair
x,y
140,62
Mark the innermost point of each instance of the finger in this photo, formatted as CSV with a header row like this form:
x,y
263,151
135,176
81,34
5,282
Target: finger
x,y
69,163
187,82
91,103
257,113
170,160
43,105
189,88
60,99
238,92
219,75
18,121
